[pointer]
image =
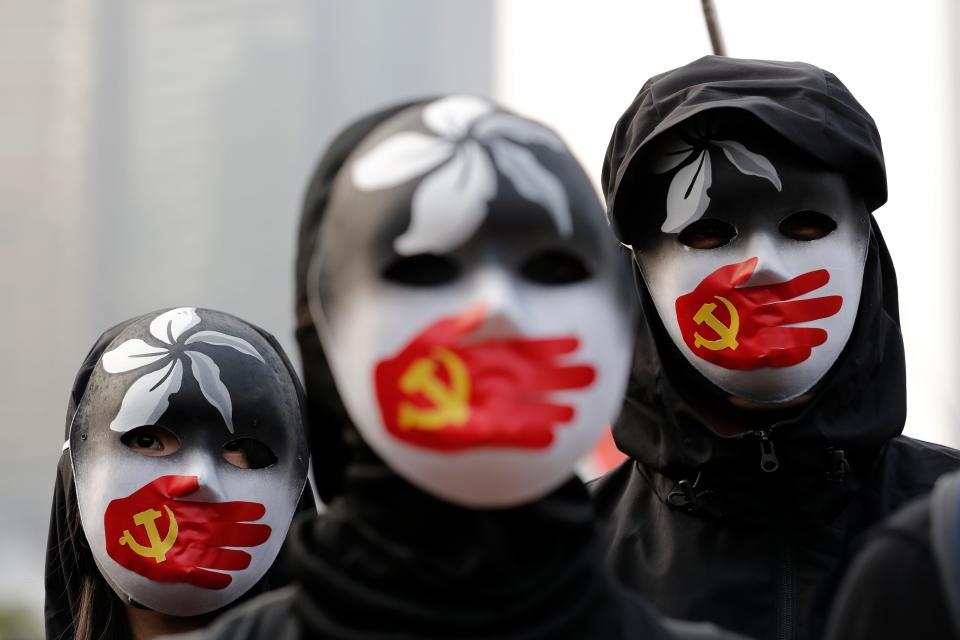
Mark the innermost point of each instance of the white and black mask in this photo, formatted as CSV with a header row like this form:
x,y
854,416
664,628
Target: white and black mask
x,y
189,457
471,303
754,257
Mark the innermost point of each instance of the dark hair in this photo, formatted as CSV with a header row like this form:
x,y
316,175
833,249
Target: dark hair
x,y
99,614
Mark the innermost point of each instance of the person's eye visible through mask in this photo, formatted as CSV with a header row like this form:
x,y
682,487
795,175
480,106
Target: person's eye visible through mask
x,y
555,267
248,453
422,270
807,225
151,441
707,233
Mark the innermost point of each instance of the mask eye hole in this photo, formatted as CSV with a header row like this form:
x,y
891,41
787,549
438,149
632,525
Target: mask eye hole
x,y
248,453
422,270
807,225
707,233
151,441
555,267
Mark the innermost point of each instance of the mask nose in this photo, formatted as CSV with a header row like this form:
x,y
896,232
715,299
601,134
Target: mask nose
x,y
496,290
204,466
771,268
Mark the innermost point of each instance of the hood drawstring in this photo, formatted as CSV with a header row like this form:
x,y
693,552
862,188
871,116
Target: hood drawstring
x,y
839,467
686,497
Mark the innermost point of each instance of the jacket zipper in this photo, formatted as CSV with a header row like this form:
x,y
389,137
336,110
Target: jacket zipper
x,y
768,454
786,604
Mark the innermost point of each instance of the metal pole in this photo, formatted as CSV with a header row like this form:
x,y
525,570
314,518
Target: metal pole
x,y
713,27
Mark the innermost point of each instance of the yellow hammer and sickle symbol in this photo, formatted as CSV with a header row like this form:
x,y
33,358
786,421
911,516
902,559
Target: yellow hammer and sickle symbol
x,y
450,402
158,548
728,335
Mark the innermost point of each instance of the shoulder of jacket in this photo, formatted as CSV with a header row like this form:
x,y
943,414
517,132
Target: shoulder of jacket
x,y
910,468
921,457
267,615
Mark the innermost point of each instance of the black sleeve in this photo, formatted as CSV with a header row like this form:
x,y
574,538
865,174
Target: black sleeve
x,y
892,589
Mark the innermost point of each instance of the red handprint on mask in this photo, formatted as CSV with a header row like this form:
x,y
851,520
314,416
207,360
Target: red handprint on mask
x,y
744,328
162,538
443,393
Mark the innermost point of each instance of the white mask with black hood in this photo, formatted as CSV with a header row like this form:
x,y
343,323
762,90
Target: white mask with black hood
x,y
473,313
768,294
472,309
189,457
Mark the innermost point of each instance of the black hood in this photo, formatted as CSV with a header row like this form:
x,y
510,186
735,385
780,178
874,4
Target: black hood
x,y
69,561
387,560
329,425
804,104
861,402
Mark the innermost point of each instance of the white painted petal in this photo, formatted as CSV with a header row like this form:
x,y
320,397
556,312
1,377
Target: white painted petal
x,y
130,355
207,373
749,163
147,398
507,125
170,325
451,117
534,183
687,197
223,340
399,158
450,204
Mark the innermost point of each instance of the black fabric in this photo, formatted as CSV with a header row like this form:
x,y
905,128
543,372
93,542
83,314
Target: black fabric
x,y
802,103
388,561
693,522
893,588
328,440
69,562
426,569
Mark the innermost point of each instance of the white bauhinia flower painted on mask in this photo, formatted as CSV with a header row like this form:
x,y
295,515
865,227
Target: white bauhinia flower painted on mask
x,y
469,140
687,197
149,396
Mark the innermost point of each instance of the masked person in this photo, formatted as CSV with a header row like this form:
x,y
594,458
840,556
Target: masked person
x,y
184,461
457,283
767,397
905,580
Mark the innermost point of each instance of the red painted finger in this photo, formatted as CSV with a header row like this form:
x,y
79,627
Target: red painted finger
x,y
173,486
790,337
223,559
236,511
728,277
234,534
208,579
553,378
541,413
542,349
778,358
801,285
797,311
450,330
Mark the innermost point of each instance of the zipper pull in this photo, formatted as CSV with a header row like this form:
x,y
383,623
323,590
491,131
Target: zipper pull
x,y
768,456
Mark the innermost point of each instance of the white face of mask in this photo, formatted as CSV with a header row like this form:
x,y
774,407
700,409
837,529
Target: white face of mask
x,y
756,268
485,367
185,538
186,528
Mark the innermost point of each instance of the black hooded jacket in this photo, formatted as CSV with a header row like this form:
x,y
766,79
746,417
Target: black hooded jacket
x,y
693,521
69,561
388,561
